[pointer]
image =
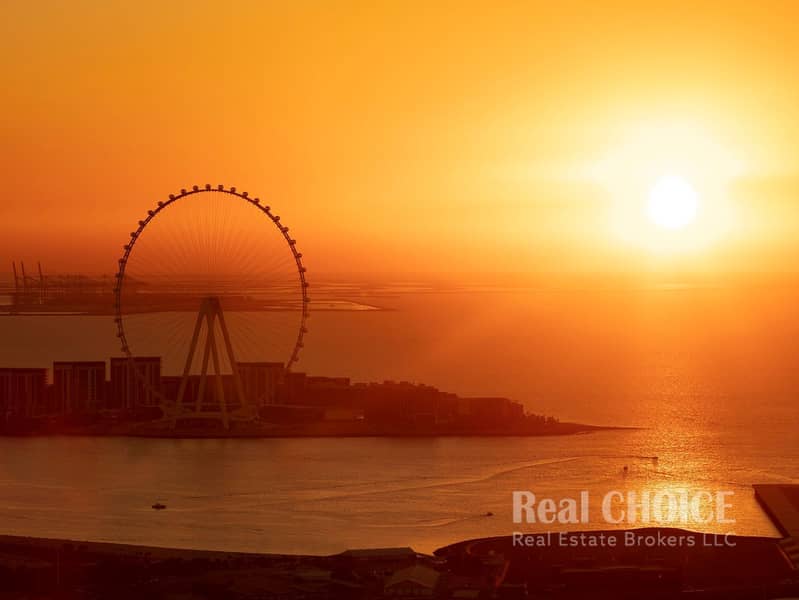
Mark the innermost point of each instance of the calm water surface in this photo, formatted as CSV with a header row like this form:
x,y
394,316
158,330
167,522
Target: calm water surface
x,y
323,495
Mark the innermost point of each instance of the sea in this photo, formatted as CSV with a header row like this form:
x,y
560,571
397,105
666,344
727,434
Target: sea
x,y
705,380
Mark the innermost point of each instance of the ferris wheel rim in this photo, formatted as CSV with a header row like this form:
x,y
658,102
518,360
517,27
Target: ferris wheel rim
x,y
219,189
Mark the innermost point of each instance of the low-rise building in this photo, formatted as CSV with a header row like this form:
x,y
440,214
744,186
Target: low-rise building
x,y
260,381
78,386
135,382
22,392
417,581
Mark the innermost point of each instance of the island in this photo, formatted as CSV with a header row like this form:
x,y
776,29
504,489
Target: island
x,y
80,400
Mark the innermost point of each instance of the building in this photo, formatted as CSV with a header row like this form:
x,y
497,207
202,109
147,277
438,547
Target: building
x,y
78,386
401,403
781,503
417,581
331,392
293,389
395,558
260,381
490,410
170,385
135,382
22,392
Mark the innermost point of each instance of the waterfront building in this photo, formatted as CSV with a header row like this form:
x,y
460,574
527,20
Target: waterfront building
x,y
170,385
78,386
22,392
134,383
417,581
293,389
260,381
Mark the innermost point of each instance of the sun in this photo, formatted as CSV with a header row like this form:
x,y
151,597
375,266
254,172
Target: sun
x,y
669,185
673,202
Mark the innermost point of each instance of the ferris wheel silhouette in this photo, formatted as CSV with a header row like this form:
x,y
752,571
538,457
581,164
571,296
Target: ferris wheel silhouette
x,y
210,279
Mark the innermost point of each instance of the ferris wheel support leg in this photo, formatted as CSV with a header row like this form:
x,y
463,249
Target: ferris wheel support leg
x,y
209,323
187,368
220,388
234,367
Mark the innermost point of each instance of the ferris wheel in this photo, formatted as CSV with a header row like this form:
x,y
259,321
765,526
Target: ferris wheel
x,y
209,283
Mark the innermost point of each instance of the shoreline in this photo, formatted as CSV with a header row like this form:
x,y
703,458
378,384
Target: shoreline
x,y
119,548
248,431
751,567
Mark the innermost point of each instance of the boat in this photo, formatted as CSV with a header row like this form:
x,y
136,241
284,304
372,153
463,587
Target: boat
x,y
489,514
159,506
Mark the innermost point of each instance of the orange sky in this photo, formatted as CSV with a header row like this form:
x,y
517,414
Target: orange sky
x,y
394,137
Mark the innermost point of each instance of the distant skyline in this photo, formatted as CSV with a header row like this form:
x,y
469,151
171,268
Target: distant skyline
x,y
408,139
